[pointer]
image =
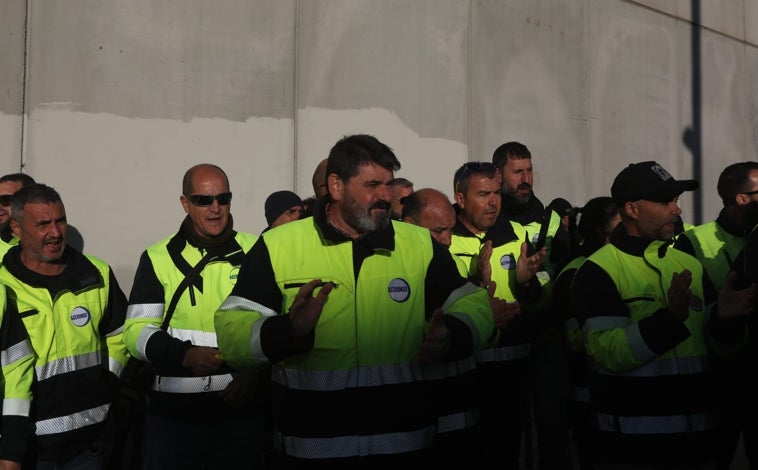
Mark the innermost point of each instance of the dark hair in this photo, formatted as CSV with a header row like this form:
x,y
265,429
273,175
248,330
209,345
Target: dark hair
x,y
187,187
595,220
733,180
463,174
34,193
512,150
561,206
353,151
22,178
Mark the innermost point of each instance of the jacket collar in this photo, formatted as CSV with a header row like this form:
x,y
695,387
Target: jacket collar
x,y
383,239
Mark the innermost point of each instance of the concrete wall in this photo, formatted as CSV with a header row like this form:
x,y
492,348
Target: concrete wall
x,y
111,101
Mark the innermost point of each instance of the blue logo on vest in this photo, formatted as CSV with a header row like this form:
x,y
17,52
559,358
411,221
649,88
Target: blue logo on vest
x,y
233,275
508,262
399,290
80,316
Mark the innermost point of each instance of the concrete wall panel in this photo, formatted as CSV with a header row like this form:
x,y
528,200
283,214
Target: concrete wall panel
x,y
12,50
394,69
529,84
634,91
723,109
121,98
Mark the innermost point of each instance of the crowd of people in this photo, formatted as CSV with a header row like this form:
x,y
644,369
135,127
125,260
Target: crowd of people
x,y
376,323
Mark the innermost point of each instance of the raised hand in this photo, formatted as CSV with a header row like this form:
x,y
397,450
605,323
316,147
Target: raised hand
x,y
306,309
437,340
679,294
527,266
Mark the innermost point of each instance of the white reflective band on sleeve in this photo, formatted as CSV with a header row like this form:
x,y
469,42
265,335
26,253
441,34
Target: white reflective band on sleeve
x,y
144,311
68,364
197,338
355,446
143,338
235,302
213,383
656,424
457,421
71,422
504,353
16,407
115,366
12,354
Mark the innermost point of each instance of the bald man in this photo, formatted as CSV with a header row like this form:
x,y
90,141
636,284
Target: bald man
x,y
430,208
319,179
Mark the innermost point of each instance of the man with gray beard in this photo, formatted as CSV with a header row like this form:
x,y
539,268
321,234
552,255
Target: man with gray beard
x,y
355,313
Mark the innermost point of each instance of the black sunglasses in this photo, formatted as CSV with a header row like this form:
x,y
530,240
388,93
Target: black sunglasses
x,y
5,200
204,200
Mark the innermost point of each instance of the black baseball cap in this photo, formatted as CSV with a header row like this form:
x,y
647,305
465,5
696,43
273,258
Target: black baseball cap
x,y
649,181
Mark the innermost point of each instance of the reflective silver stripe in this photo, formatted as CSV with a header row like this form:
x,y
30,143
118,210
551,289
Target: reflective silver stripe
x,y
581,394
142,339
638,345
115,332
326,380
15,352
457,421
67,364
656,424
72,421
144,311
256,349
660,367
115,366
16,407
196,337
606,323
212,383
466,289
442,370
235,302
353,446
504,353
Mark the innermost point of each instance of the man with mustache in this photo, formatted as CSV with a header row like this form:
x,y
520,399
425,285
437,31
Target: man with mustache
x,y
355,312
644,314
62,347
548,367
497,254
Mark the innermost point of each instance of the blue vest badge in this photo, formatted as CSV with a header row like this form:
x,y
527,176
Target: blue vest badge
x,y
80,316
233,274
399,290
508,262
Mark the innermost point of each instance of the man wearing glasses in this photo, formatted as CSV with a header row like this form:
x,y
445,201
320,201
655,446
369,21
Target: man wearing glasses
x,y
717,244
9,184
200,412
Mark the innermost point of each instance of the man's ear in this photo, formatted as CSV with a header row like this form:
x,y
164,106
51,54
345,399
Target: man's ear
x,y
458,197
335,187
742,199
632,210
15,228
